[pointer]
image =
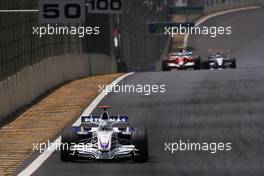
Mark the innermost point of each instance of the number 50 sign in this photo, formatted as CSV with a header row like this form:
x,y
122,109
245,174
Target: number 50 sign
x,y
73,11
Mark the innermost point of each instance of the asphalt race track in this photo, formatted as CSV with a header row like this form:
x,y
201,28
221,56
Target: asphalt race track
x,y
202,106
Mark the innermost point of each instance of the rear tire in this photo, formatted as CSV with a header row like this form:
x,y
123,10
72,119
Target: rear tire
x,y
165,66
197,63
233,63
68,137
139,138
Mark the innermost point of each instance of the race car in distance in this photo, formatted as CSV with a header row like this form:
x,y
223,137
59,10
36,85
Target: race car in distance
x,y
104,137
218,60
181,60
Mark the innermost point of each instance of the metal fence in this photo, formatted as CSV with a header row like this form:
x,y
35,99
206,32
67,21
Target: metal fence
x,y
20,49
140,49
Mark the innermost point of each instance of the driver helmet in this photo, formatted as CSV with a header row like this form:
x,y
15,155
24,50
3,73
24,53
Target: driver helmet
x,y
218,54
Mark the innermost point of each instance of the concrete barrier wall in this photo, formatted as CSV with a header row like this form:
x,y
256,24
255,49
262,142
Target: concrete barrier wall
x,y
101,64
31,65
23,87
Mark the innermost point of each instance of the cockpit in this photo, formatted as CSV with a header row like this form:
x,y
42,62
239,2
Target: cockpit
x,y
105,126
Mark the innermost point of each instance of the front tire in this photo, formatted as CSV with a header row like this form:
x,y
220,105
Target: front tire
x,y
68,138
139,138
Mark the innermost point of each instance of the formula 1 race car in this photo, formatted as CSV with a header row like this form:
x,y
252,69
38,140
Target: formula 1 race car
x,y
181,60
218,60
104,137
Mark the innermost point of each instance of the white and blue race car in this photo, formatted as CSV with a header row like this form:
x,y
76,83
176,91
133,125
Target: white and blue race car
x,y
218,60
104,137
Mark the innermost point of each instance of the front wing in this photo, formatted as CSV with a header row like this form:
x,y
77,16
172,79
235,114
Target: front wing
x,y
186,65
123,151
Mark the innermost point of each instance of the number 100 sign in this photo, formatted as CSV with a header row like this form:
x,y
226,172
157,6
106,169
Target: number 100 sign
x,y
104,6
73,11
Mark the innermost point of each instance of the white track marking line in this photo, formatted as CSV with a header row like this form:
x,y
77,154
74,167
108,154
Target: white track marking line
x,y
14,11
47,153
186,37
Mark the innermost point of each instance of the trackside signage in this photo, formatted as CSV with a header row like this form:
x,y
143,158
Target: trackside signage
x,y
74,11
